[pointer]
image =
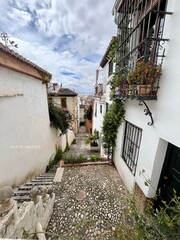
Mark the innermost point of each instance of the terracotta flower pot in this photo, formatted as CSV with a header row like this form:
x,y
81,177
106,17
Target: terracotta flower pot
x,y
144,89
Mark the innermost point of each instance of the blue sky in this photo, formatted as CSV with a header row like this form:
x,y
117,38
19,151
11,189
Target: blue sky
x,y
66,37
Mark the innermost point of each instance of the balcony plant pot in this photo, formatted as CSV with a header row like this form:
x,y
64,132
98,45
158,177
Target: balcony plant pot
x,y
144,89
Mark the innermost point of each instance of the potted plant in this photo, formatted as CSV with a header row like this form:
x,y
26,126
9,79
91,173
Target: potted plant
x,y
144,76
93,140
120,83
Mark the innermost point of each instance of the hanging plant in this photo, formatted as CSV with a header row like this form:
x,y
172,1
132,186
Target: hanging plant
x,y
59,118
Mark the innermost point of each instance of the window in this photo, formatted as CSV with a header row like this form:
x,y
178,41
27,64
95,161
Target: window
x,y
131,146
107,107
110,68
100,108
63,103
95,110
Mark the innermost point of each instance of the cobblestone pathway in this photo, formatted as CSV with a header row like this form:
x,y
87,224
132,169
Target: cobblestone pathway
x,y
88,202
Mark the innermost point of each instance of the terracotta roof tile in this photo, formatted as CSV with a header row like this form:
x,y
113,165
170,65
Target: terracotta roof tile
x,y
21,58
64,92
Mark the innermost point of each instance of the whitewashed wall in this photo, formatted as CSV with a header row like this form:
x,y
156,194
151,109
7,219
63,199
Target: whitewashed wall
x,y
98,119
166,114
26,139
63,140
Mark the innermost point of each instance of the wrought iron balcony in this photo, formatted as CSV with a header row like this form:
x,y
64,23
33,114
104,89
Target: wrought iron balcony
x,y
140,48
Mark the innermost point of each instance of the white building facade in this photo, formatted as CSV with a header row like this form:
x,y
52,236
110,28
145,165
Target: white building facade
x,y
102,95
151,153
27,141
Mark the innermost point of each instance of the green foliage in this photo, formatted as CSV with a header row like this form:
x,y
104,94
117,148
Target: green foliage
x,y
55,160
75,159
145,73
58,155
88,114
95,158
67,148
113,50
74,141
162,223
112,120
80,158
59,118
93,138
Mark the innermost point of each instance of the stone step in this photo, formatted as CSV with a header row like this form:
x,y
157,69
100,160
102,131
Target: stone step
x,y
49,175
35,183
45,177
21,198
42,180
22,192
29,187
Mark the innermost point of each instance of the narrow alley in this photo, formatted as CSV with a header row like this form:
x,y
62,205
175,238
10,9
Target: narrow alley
x,y
88,200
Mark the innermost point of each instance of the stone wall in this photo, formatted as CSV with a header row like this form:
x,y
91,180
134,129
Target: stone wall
x,y
28,221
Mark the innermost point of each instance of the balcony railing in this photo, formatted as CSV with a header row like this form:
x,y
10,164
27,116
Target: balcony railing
x,y
140,48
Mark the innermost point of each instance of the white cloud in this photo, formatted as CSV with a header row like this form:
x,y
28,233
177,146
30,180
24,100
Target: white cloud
x,y
23,18
40,26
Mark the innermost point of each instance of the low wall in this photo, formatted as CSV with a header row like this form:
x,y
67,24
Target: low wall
x,y
63,139
31,219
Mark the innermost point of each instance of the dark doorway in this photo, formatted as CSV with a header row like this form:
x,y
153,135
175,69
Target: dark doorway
x,y
170,175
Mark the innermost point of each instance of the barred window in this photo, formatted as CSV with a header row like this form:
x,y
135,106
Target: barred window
x,y
100,108
110,68
131,146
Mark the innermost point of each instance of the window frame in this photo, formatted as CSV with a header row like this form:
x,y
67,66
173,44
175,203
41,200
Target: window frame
x,y
64,102
131,142
110,68
101,108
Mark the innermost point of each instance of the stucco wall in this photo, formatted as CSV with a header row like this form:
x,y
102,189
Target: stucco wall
x,y
166,114
72,106
98,119
27,141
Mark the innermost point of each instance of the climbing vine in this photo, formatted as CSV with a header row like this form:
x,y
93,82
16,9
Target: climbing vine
x,y
112,55
112,120
115,114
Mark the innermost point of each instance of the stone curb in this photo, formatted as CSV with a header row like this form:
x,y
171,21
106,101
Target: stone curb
x,y
62,164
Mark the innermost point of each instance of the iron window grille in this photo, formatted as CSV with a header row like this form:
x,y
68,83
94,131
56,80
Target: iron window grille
x,y
110,70
131,146
140,38
100,108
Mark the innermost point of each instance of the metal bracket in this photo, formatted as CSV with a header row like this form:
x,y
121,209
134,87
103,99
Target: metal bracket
x,y
147,112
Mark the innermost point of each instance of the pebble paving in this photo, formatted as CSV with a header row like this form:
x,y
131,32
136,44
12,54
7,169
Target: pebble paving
x,y
88,203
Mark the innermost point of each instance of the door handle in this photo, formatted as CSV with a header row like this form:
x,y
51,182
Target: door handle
x,y
165,177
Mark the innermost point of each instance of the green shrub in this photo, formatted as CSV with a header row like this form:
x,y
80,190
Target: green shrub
x,y
111,122
67,148
95,158
58,155
59,118
80,158
74,141
55,160
75,159
162,223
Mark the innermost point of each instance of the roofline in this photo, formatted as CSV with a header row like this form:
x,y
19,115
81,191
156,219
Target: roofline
x,y
116,5
105,59
12,60
62,95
